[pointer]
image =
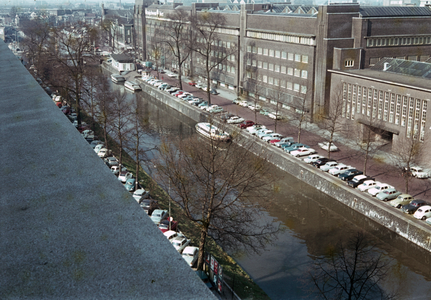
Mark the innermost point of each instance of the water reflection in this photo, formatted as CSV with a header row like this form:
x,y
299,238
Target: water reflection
x,y
312,222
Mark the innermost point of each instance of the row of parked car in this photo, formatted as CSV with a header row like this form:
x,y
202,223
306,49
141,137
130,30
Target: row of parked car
x,y
353,177
159,216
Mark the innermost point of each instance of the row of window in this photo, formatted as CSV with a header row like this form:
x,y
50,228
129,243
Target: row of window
x,y
374,60
398,41
277,68
296,87
278,54
218,43
221,67
394,108
281,37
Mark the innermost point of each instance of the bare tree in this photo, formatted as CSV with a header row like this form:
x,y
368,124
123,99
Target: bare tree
x,y
405,154
216,184
120,117
108,33
333,121
352,270
299,114
207,44
92,84
103,108
177,38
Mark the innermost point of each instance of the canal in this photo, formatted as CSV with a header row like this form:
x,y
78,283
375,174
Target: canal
x,y
311,223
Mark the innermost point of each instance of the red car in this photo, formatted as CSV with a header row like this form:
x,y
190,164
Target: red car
x,y
176,94
191,82
246,124
164,225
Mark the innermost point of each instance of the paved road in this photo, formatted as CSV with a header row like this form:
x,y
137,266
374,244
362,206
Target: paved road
x,y
380,168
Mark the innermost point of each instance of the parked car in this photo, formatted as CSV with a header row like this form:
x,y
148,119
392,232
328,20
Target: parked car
x,y
158,215
303,151
326,145
368,184
130,184
282,141
140,194
271,136
388,194
401,200
254,106
190,255
104,153
226,116
337,170
246,124
321,162
124,175
413,206
418,172
349,174
379,188
214,109
164,225
255,128
312,158
203,104
329,165
423,212
149,205
275,116
264,111
235,120
179,243
97,148
116,169
261,133
111,161
170,234
195,101
293,146
286,145
357,180
184,95
243,103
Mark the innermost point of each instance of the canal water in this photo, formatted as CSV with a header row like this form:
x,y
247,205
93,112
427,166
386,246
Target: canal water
x,y
311,223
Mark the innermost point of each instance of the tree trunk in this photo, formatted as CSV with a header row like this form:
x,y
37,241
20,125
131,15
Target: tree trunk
x,y
202,239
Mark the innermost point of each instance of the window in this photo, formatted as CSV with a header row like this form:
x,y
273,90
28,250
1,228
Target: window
x,y
228,45
265,52
271,67
348,63
304,74
283,69
276,81
253,63
296,87
289,85
265,65
248,61
290,56
277,54
284,55
303,89
305,59
270,80
265,78
259,50
248,48
289,71
277,68
298,57
259,64
271,52
283,83
228,69
297,72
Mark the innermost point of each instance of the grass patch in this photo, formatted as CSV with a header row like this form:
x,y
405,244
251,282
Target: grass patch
x,y
233,274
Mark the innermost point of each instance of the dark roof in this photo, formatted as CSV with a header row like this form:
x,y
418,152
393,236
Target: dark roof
x,y
123,58
393,11
404,67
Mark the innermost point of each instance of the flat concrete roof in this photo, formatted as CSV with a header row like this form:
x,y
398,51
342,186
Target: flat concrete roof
x,y
68,228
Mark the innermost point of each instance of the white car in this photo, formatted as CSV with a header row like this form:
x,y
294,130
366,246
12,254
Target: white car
x,y
235,120
263,132
116,169
190,255
325,146
423,212
272,136
283,141
253,129
275,116
379,188
179,243
141,194
418,172
368,184
170,234
243,103
253,106
98,148
104,153
312,158
329,165
158,83
302,152
339,169
215,109
124,175
185,94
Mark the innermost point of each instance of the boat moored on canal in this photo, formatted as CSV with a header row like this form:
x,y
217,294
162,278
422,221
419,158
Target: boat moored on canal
x,y
132,86
212,132
115,78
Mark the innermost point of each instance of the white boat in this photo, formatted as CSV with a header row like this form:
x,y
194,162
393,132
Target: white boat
x,y
117,78
132,86
211,132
